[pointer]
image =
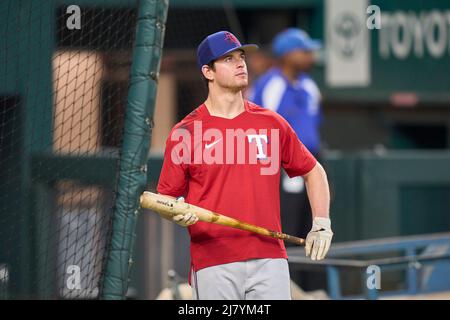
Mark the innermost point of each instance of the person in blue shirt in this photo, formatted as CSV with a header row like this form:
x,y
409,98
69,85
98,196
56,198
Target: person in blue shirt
x,y
288,89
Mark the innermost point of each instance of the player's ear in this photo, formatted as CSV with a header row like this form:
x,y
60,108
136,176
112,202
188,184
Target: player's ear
x,y
208,72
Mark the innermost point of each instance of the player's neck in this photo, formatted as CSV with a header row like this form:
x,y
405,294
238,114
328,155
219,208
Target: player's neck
x,y
225,104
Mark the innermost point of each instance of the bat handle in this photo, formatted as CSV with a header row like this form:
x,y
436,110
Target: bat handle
x,y
296,240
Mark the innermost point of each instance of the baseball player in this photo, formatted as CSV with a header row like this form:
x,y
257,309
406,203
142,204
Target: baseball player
x,y
226,156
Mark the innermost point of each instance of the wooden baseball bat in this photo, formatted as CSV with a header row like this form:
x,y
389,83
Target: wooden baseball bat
x,y
172,207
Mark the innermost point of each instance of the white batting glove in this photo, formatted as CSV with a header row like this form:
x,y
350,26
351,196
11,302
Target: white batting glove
x,y
185,220
318,240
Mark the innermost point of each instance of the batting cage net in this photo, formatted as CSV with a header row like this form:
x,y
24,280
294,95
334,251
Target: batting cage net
x,y
64,77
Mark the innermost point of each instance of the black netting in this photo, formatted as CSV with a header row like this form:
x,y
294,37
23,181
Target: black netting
x,y
63,94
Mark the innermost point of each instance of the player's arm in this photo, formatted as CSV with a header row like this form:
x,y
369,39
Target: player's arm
x,y
318,191
319,238
298,161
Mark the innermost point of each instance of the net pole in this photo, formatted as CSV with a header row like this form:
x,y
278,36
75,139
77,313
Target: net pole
x,y
147,51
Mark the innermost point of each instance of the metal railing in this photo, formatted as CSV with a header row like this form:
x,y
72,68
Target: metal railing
x,y
416,252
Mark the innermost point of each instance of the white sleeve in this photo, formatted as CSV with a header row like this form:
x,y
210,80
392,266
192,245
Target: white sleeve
x,y
273,93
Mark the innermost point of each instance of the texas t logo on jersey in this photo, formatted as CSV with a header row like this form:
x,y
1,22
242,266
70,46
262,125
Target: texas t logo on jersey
x,y
234,146
259,138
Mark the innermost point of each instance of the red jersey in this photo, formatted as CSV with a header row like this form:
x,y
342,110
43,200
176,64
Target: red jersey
x,y
232,167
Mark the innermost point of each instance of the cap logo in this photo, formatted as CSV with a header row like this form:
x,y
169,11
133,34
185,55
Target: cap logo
x,y
231,38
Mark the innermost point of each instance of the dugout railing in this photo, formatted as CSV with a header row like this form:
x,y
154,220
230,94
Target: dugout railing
x,y
424,260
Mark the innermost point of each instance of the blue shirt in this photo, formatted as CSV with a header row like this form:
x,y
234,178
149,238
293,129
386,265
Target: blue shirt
x,y
298,103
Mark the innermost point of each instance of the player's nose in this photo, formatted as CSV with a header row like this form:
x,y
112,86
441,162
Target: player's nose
x,y
241,64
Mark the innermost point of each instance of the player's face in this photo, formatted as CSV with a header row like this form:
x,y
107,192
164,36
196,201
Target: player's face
x,y
300,60
231,71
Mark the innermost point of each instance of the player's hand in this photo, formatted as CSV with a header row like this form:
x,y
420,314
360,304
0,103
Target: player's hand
x,y
185,220
318,240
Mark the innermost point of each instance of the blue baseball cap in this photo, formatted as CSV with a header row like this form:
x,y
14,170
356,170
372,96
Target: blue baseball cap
x,y
218,44
293,39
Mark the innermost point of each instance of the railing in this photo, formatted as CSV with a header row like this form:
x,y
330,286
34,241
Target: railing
x,y
416,253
